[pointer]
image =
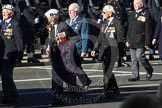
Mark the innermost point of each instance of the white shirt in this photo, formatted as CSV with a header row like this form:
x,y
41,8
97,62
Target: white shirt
x,y
8,20
72,20
56,25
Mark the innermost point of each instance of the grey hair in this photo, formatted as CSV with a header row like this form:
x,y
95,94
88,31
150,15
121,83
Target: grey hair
x,y
76,6
109,8
10,12
142,1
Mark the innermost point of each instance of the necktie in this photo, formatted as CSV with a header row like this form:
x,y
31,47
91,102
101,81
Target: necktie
x,y
5,25
106,26
52,33
136,14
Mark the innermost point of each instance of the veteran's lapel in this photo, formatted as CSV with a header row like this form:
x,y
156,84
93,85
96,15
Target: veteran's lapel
x,y
9,31
9,25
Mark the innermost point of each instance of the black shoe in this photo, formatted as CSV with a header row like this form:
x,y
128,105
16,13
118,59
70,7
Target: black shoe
x,y
111,93
148,77
125,64
133,79
33,60
151,57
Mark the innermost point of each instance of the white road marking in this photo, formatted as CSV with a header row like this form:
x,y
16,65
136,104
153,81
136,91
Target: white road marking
x,y
140,85
30,80
47,79
88,70
117,73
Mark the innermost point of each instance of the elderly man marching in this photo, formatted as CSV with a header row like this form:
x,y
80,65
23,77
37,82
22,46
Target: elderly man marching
x,y
60,49
59,72
111,35
11,37
80,27
138,39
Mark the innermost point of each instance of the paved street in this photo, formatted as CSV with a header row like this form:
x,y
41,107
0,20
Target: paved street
x,y
34,85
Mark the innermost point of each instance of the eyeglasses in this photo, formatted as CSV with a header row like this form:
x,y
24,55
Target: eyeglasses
x,y
72,11
104,12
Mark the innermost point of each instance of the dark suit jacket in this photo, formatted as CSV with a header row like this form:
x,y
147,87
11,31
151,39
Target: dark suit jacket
x,y
81,28
120,10
154,8
158,33
57,51
111,38
139,31
12,40
1,52
26,20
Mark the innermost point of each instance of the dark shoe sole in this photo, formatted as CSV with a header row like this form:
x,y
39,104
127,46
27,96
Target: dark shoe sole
x,y
133,79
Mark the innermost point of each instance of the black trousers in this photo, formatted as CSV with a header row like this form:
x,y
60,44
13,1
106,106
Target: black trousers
x,y
61,74
109,79
79,70
8,85
109,58
72,62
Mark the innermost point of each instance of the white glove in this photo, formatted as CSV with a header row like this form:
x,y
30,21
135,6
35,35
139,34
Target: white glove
x,y
36,20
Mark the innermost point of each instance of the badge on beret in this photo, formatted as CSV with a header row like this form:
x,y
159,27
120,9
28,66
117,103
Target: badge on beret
x,y
161,18
141,18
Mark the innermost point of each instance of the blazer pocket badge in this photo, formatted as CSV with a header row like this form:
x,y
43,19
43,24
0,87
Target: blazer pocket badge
x,y
141,18
111,29
9,33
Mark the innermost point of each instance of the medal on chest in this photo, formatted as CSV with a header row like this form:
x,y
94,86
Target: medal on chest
x,y
111,29
8,33
142,17
76,26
